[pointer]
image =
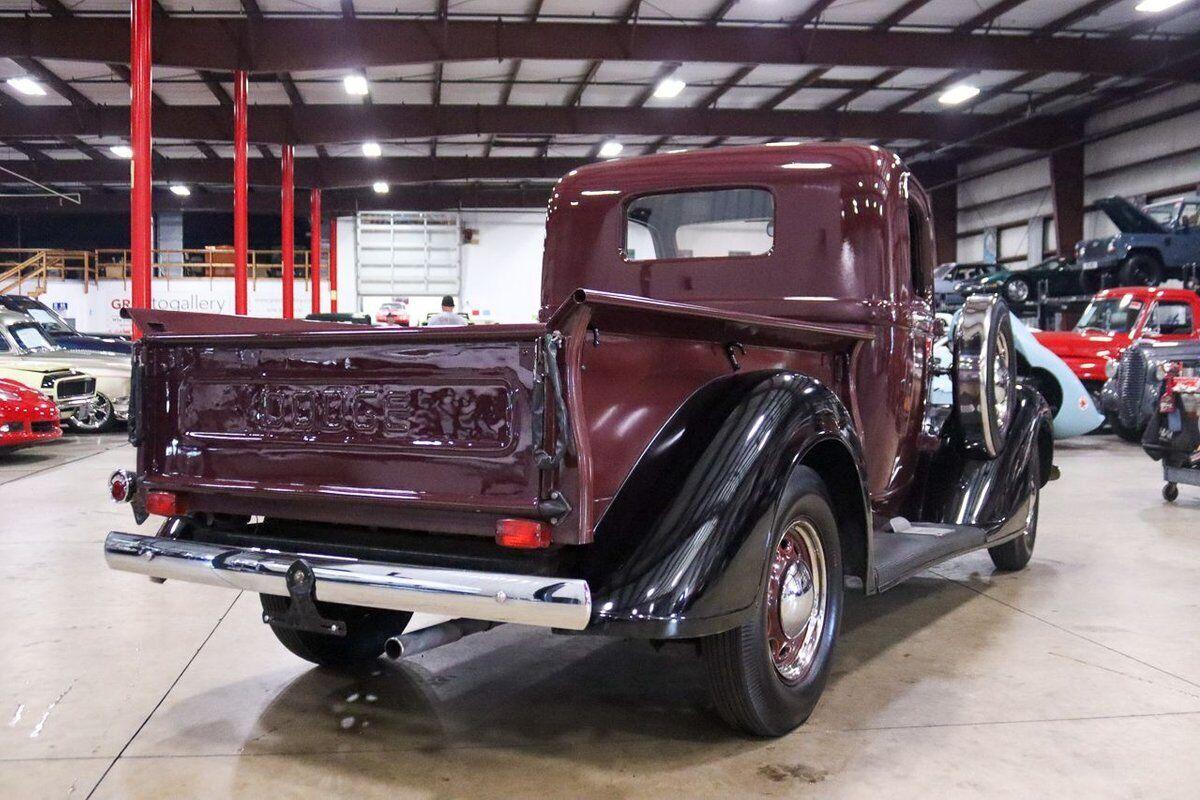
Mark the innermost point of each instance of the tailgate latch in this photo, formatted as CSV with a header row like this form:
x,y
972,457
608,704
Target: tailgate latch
x,y
302,613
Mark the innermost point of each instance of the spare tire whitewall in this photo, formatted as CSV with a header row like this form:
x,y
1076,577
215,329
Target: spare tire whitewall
x,y
984,375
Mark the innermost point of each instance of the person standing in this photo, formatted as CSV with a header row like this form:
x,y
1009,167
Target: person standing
x,y
447,317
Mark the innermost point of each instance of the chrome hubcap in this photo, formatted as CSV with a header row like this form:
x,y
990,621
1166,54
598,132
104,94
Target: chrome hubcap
x,y
796,601
93,416
1000,377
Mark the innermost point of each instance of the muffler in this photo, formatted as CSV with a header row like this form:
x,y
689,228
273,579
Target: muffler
x,y
410,644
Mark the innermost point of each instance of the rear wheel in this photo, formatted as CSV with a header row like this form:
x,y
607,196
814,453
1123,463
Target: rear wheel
x,y
367,629
1014,554
767,675
1141,270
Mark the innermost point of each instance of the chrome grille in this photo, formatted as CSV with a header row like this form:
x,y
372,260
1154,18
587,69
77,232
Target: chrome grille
x,y
1131,386
75,387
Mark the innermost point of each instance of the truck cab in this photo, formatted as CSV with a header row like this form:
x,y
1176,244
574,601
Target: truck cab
x,y
722,414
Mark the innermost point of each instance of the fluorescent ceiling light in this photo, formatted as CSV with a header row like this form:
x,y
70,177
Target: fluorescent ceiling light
x,y
958,94
669,87
611,149
788,143
380,187
26,86
179,190
808,165
121,150
1155,6
372,149
356,85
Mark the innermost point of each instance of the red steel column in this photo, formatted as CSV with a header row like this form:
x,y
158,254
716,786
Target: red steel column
x,y
333,264
314,256
241,208
288,231
140,194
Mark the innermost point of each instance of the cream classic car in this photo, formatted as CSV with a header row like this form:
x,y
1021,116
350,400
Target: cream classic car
x,y
73,392
22,341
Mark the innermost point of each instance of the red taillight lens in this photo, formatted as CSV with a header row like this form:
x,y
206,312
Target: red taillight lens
x,y
526,534
121,486
165,504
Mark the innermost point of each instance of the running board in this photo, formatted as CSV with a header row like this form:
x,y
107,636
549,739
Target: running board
x,y
901,555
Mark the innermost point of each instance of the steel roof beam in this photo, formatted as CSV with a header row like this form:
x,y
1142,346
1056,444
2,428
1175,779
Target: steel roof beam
x,y
279,44
328,124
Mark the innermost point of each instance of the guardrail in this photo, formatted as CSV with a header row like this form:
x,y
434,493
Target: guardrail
x,y
27,270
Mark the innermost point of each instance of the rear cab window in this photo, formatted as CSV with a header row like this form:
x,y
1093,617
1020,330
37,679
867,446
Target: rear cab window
x,y
1170,319
699,224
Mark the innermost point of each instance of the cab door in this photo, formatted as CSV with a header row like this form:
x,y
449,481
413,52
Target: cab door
x,y
1170,321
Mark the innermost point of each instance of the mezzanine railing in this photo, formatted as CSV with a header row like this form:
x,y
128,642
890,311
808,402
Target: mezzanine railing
x,y
27,271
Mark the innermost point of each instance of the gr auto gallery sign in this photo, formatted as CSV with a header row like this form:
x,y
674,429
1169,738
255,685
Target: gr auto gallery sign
x,y
99,309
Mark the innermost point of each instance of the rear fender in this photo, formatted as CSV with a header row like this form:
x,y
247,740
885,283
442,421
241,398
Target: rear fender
x,y
681,550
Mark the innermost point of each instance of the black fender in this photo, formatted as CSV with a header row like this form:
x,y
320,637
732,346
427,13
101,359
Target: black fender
x,y
991,494
682,549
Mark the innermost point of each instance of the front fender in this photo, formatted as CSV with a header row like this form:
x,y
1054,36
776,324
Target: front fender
x,y
681,551
992,494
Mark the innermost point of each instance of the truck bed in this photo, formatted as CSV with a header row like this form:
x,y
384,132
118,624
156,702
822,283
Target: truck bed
x,y
435,429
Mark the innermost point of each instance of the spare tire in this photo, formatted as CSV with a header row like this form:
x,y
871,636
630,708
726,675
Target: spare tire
x,y
985,380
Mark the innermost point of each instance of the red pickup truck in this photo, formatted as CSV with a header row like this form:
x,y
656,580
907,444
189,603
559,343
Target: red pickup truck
x,y
722,416
1114,320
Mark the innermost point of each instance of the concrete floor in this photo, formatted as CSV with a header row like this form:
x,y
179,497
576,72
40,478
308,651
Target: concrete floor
x,y
1080,674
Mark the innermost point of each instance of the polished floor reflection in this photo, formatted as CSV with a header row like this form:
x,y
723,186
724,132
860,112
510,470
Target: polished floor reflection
x,y
1081,674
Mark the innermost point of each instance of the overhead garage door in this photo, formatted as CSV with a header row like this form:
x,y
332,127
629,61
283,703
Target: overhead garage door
x,y
409,253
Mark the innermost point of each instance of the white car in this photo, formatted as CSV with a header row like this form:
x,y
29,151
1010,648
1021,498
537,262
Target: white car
x,y
23,342
73,392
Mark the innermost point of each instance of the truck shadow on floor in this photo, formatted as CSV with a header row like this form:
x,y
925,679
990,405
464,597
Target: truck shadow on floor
x,y
574,698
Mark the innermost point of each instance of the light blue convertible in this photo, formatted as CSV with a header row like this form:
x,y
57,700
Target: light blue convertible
x,y
1074,412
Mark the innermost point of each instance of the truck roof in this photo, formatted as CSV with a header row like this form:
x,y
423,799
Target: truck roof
x,y
837,212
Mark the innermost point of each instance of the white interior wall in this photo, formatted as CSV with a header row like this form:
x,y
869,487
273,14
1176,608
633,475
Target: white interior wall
x,y
1010,198
502,267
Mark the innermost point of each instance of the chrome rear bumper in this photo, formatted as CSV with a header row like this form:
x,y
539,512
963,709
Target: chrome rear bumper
x,y
525,599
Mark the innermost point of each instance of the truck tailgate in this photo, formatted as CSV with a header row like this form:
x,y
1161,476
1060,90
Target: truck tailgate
x,y
338,424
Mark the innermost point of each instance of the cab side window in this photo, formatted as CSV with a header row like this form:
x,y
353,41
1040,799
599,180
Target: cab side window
x,y
919,258
1171,319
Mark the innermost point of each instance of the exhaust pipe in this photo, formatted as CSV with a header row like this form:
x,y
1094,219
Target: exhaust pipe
x,y
410,644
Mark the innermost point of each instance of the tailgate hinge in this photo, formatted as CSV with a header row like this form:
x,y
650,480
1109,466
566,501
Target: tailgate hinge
x,y
547,387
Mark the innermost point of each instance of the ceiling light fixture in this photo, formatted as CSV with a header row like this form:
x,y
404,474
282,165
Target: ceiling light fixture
x,y
669,87
1155,6
179,190
380,187
611,149
356,85
959,94
26,85
372,149
121,151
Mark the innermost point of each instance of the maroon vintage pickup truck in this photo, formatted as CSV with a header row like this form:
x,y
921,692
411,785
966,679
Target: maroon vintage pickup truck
x,y
723,419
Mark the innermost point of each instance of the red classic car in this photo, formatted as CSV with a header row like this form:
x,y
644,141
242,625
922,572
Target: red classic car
x,y
1115,319
27,417
723,413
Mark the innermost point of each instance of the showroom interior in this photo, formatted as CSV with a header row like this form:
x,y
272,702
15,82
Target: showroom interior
x,y
781,398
